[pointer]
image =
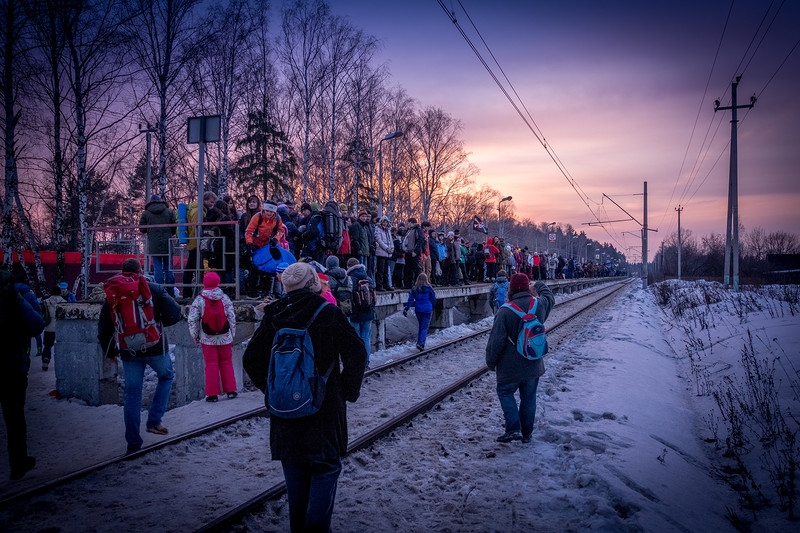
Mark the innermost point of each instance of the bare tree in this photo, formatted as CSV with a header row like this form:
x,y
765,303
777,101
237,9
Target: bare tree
x,y
96,67
782,242
163,39
12,26
399,117
305,25
437,152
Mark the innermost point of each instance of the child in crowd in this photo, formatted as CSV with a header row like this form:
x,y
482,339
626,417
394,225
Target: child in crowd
x,y
326,289
423,299
498,292
212,324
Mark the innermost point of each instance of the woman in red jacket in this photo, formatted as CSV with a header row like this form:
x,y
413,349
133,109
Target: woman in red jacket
x,y
491,252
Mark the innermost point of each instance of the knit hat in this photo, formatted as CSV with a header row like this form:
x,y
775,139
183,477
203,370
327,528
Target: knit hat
x,y
363,212
322,277
269,205
305,206
281,267
332,262
299,276
519,283
155,198
63,285
501,273
211,280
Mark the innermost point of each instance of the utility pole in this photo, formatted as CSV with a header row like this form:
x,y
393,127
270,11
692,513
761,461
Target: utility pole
x,y
732,233
644,241
679,209
148,187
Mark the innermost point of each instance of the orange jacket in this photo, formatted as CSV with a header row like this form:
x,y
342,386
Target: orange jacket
x,y
266,227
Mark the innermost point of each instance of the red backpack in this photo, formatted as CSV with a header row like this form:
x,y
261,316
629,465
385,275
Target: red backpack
x,y
214,320
131,303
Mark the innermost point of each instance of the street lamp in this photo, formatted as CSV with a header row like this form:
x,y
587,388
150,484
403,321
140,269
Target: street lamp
x,y
499,216
388,136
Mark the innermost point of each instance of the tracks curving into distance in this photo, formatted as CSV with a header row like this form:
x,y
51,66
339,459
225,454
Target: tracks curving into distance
x,y
432,375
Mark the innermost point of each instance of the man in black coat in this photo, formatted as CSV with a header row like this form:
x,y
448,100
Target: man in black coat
x,y
18,323
310,448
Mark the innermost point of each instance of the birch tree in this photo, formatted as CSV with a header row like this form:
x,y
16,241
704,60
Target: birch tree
x,y
11,25
96,66
301,50
436,153
48,69
163,40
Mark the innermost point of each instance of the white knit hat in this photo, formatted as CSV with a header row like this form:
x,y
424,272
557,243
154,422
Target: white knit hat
x,y
300,276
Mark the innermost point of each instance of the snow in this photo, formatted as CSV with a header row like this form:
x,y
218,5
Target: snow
x,y
628,434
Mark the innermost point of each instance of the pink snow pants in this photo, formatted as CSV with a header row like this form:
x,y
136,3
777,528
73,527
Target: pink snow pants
x,y
219,363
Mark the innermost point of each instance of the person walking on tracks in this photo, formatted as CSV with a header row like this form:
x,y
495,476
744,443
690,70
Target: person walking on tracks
x,y
514,371
128,294
310,447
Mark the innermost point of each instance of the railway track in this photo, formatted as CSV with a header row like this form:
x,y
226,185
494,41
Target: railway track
x,y
372,418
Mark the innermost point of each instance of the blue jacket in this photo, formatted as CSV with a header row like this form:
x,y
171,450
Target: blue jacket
x,y
423,300
25,290
20,321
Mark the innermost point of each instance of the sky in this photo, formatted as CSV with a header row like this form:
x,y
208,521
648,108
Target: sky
x,y
621,441
622,92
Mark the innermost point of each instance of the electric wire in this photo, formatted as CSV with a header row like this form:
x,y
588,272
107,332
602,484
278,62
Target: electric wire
x,y
534,130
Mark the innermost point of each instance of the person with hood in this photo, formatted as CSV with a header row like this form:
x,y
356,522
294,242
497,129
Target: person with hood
x,y
156,213
19,321
413,242
423,299
491,253
293,237
361,319
217,345
310,448
23,289
515,372
337,277
499,291
384,248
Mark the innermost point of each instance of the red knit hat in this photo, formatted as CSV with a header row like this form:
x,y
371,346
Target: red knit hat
x,y
519,283
211,280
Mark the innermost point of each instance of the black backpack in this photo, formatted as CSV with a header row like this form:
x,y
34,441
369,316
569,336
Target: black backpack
x,y
331,230
363,295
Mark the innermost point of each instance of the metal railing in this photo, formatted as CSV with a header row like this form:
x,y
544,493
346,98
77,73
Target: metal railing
x,y
129,241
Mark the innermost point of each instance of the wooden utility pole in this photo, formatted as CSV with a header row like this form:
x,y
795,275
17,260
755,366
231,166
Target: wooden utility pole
x,y
732,229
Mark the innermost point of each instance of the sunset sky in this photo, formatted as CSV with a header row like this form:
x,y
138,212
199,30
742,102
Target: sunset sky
x,y
623,92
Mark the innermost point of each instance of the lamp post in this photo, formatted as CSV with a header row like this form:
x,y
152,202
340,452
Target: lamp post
x,y
499,216
392,135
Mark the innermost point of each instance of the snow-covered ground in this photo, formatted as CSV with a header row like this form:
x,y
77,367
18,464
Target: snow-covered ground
x,y
628,434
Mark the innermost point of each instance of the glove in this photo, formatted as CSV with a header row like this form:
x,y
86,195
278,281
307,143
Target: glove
x,y
405,312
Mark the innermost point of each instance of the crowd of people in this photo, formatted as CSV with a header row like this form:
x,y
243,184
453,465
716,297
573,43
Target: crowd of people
x,y
303,300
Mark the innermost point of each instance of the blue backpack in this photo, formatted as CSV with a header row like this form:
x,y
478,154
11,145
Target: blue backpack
x,y
531,342
294,387
501,293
